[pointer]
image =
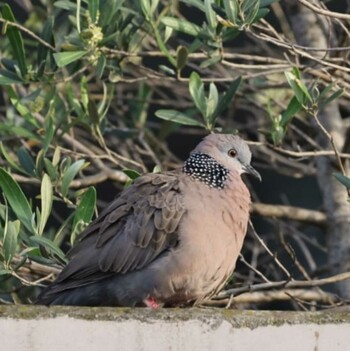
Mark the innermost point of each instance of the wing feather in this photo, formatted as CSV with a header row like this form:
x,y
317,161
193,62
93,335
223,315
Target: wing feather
x,y
133,231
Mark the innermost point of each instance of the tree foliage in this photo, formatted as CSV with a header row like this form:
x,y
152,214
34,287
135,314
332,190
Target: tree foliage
x,y
91,90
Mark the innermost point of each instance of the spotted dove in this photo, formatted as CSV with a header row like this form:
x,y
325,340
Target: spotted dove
x,y
171,238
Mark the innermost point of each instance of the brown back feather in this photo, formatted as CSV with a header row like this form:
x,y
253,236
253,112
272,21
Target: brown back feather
x,y
141,224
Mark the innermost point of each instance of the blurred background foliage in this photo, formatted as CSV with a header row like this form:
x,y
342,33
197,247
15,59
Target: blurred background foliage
x,y
93,93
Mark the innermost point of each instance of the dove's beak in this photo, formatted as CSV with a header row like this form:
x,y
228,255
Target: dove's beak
x,y
251,170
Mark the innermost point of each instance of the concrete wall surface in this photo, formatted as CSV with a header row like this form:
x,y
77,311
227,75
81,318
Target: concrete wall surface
x,y
28,328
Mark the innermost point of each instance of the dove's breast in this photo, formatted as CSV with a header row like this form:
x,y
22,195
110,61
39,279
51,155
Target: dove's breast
x,y
210,239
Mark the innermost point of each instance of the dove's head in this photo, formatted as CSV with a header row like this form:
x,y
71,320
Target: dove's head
x,y
217,154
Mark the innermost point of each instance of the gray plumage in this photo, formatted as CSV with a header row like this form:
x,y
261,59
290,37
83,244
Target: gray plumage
x,y
171,238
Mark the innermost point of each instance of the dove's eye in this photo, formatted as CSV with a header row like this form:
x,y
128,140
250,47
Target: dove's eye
x,y
232,153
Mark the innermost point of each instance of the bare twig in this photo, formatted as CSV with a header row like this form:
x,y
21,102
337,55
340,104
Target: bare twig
x,y
323,12
255,66
276,295
290,284
316,153
37,268
261,275
262,243
331,140
293,49
195,56
290,212
31,283
27,31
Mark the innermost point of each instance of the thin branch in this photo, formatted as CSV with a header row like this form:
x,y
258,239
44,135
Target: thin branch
x,y
37,268
293,49
331,140
276,295
31,283
324,12
254,66
290,212
27,31
241,257
195,55
309,153
262,243
290,284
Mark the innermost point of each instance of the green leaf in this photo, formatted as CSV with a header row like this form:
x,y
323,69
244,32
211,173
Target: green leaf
x,y
277,134
46,202
10,239
343,179
298,87
168,32
84,95
26,161
196,88
63,229
93,9
21,107
261,14
56,157
293,107
300,83
167,70
43,50
49,131
216,57
93,114
100,66
329,99
7,78
146,8
210,14
162,45
178,117
264,3
226,99
212,104
49,245
300,96
9,65
232,10
51,169
65,5
141,105
10,160
219,11
181,57
65,58
77,15
250,9
154,5
5,272
39,161
15,38
20,132
70,174
16,199
83,213
157,169
86,207
195,3
132,174
182,26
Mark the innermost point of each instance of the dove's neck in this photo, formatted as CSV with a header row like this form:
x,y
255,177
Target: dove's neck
x,y
206,169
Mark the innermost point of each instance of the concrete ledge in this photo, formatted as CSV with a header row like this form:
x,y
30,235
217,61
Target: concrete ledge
x,y
40,328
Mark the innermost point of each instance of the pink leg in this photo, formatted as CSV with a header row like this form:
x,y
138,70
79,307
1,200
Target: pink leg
x,y
151,302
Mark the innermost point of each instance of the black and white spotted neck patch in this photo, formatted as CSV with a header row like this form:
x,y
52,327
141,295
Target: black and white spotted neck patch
x,y
206,169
